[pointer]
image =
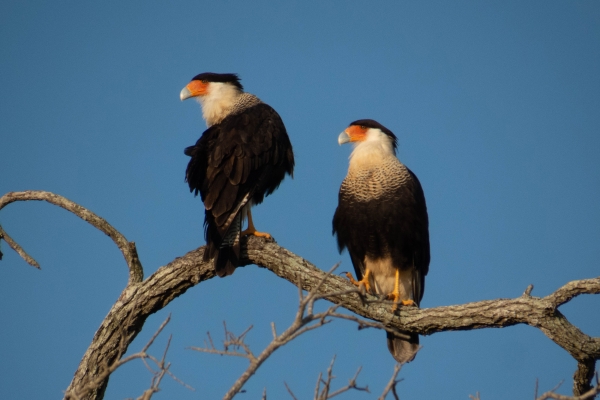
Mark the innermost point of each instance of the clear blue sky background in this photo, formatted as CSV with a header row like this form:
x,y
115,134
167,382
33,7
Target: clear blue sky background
x,y
497,109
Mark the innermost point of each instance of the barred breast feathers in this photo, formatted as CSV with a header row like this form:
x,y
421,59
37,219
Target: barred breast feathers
x,y
372,179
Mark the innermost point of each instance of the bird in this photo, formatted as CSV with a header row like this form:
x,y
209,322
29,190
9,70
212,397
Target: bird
x,y
381,218
242,157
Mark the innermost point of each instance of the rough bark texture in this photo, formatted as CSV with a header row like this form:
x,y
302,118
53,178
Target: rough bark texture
x,y
128,315
137,302
140,298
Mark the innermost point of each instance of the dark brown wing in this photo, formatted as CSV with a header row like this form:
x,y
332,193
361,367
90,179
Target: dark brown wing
x,y
420,238
243,158
348,222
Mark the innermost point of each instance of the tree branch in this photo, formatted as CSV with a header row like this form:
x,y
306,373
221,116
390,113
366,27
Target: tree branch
x,y
541,313
136,273
324,393
304,321
157,375
590,394
127,316
175,278
15,246
141,298
391,386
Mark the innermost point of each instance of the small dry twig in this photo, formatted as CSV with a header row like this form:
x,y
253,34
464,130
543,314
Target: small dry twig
x,y
391,386
157,375
551,394
590,394
15,246
305,320
324,393
290,391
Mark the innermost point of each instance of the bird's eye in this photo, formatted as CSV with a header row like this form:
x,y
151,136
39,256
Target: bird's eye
x,y
363,127
204,81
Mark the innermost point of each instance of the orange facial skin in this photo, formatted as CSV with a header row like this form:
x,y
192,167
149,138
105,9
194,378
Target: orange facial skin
x,y
197,88
356,133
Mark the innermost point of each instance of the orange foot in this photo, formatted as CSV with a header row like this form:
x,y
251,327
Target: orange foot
x,y
255,233
395,295
252,230
363,281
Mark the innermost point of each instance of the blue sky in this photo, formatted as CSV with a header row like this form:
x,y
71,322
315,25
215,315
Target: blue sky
x,y
495,105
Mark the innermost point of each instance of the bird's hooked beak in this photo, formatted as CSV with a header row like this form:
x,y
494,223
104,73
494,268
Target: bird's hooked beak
x,y
353,133
343,138
185,94
194,89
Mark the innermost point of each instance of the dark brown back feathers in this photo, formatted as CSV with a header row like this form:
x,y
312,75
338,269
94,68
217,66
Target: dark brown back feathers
x,y
243,158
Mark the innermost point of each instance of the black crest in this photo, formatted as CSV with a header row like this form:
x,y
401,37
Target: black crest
x,y
214,77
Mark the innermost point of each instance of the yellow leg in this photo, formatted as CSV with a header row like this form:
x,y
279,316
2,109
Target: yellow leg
x,y
395,295
364,280
252,230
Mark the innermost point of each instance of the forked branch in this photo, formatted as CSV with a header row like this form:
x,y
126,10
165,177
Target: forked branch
x,y
304,321
538,312
128,249
142,298
161,368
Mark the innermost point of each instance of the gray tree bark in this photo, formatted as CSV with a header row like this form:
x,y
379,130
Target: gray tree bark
x,y
142,297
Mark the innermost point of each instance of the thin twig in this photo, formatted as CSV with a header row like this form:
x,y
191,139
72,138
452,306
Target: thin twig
x,y
318,386
158,331
15,246
290,391
305,320
351,385
163,368
324,395
590,394
391,386
528,290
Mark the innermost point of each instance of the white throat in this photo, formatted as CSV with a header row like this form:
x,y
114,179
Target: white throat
x,y
371,152
219,101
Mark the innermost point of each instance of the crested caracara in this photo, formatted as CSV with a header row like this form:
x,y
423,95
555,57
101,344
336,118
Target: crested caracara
x,y
382,220
242,157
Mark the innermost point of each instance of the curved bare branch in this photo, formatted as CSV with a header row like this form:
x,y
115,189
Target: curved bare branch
x,y
127,316
137,303
136,273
